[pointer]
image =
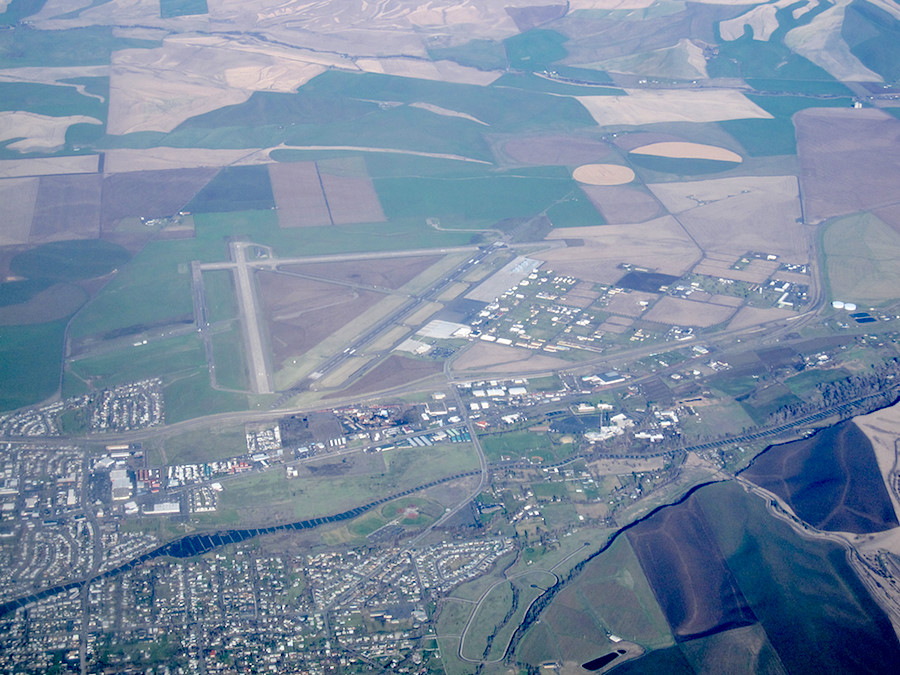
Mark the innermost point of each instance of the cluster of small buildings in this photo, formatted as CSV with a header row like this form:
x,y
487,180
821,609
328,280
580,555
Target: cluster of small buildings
x,y
136,405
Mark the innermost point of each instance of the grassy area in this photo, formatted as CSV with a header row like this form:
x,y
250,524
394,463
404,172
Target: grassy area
x,y
873,36
204,445
172,8
161,358
481,54
30,362
69,260
192,396
815,611
535,49
90,46
228,356
862,259
489,618
235,188
805,383
220,300
516,444
48,99
575,210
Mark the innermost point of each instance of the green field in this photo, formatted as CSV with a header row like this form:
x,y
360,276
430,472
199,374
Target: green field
x,y
535,49
172,8
235,188
228,355
481,54
192,396
805,383
873,36
47,99
30,363
165,358
271,497
516,444
89,46
575,210
203,445
862,259
69,260
220,301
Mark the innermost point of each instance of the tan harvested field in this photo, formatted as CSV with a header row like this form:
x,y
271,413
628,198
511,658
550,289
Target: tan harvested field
x,y
158,89
618,467
395,371
440,71
683,61
844,166
581,296
726,300
747,317
55,75
720,266
387,273
736,215
882,428
122,160
821,42
437,110
684,150
680,312
629,303
623,204
760,19
68,207
301,313
603,174
642,106
18,197
661,245
557,150
494,358
37,132
43,166
298,195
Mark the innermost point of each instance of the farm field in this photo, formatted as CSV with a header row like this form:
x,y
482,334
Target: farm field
x,y
861,258
831,481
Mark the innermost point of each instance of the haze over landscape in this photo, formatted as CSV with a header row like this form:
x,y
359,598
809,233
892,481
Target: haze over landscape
x,y
476,336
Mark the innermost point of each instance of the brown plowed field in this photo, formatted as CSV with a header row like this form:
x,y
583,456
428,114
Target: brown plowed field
x,y
68,207
623,203
392,372
352,199
150,194
558,150
18,196
301,313
688,573
390,273
298,194
681,312
844,166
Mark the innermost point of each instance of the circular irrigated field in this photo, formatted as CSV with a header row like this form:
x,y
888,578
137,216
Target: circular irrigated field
x,y
603,174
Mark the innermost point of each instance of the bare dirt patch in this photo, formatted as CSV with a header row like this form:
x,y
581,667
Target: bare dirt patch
x,y
298,195
720,266
844,166
581,295
736,215
603,174
631,303
660,245
389,273
18,196
555,150
43,166
301,313
394,371
494,358
68,207
684,150
681,312
643,106
150,194
623,204
748,317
